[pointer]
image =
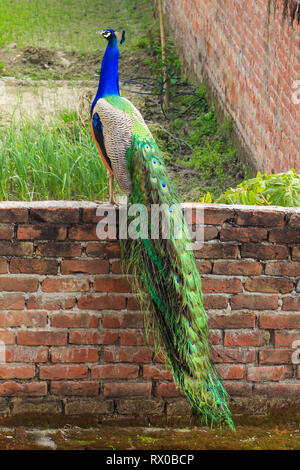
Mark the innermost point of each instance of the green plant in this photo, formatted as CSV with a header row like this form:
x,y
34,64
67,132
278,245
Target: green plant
x,y
282,189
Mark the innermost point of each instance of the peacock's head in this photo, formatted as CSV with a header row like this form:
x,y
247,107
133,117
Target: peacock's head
x,y
110,35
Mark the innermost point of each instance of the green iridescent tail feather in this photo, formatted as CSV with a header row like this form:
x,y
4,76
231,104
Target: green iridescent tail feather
x,y
167,280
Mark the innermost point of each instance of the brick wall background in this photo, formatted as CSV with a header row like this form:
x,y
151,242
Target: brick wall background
x,y
249,52
72,334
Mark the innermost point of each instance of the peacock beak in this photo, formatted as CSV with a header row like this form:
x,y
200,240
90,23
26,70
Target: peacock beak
x,y
101,32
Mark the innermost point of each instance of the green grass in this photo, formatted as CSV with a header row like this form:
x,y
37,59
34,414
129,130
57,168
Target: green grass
x,y
55,161
71,24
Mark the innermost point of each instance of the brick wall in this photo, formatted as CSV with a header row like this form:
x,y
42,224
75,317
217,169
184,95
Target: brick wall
x,y
249,53
73,336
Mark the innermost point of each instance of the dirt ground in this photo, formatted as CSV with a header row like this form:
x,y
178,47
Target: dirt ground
x,y
139,438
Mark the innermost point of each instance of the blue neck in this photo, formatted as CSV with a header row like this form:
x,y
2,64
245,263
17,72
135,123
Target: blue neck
x,y
109,75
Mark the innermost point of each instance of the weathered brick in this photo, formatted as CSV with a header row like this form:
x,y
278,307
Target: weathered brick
x,y
279,321
51,301
137,406
112,284
264,218
284,236
23,389
6,231
15,248
218,302
18,283
119,389
291,303
236,320
84,266
55,215
26,354
33,266
93,337
83,388
41,232
155,372
132,338
59,249
294,221
82,232
104,302
275,356
264,251
74,320
229,372
65,284
217,250
286,338
269,373
128,320
33,319
167,390
40,338
283,269
204,267
243,268
237,338
115,371
243,234
12,301
35,405
7,337
278,390
63,372
13,214
296,253
269,285
74,354
256,302
88,406
226,355
128,354
211,285
22,372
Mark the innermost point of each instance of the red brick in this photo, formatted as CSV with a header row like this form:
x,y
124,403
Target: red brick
x,y
84,266
128,320
269,373
59,249
215,337
111,284
55,215
167,390
291,303
33,266
3,266
74,320
22,372
16,248
283,269
26,354
227,355
112,250
65,284
83,232
278,390
275,356
51,302
218,302
83,388
264,251
256,302
284,236
115,371
286,338
108,302
74,354
40,338
242,268
12,301
41,232
13,214
93,337
23,389
243,234
217,250
204,267
116,267
236,338
212,215
229,372
34,319
238,389
132,338
18,283
210,233
236,320
296,253
294,221
7,337
96,249
133,303
156,373
212,285
279,321
262,284
119,389
128,354
6,232
63,372
264,218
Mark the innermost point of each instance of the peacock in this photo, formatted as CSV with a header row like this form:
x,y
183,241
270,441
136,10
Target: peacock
x,y
162,268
